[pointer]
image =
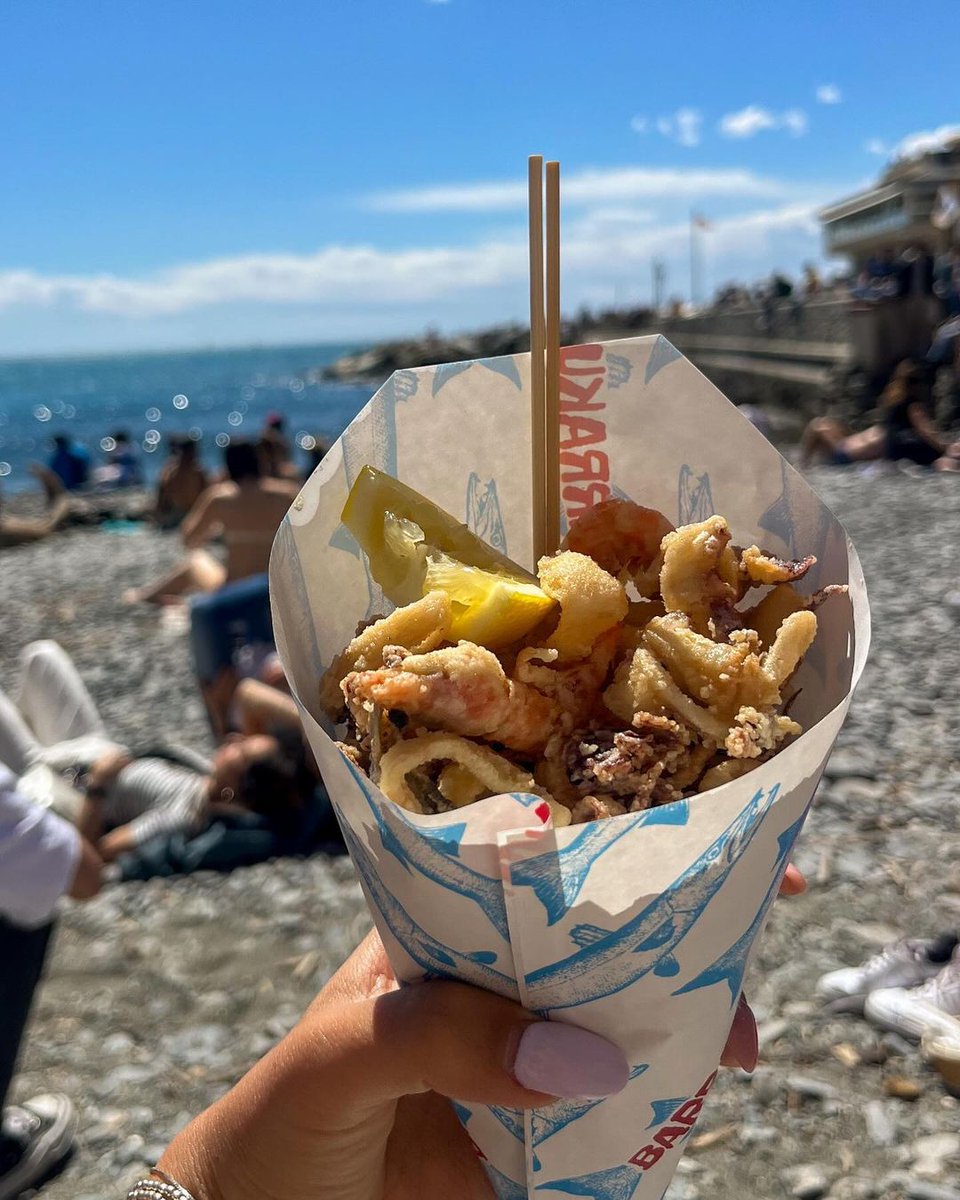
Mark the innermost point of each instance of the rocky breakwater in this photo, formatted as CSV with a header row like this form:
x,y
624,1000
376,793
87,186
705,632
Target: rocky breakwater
x,y
160,994
379,361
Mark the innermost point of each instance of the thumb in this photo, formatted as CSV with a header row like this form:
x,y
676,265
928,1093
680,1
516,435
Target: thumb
x,y
453,1039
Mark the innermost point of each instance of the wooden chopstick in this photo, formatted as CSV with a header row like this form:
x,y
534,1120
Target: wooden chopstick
x,y
552,390
538,443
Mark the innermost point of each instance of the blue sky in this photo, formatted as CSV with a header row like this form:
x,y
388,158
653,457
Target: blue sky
x,y
184,174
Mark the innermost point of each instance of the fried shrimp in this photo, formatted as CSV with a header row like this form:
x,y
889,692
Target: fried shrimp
x,y
622,537
462,689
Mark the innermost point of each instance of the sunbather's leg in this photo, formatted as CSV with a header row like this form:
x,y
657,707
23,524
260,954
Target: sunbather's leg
x,y
19,749
198,572
265,709
54,699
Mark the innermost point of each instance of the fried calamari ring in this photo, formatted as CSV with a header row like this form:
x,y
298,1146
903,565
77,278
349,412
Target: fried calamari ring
x,y
490,769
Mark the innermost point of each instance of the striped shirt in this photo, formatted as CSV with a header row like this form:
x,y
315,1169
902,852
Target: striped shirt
x,y
154,797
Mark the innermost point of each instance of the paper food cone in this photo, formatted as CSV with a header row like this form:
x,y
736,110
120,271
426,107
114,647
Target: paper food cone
x,y
638,927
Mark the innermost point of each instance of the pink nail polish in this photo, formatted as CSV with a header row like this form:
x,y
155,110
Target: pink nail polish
x,y
564,1060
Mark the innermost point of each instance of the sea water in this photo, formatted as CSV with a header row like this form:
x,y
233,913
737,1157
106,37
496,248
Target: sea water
x,y
212,395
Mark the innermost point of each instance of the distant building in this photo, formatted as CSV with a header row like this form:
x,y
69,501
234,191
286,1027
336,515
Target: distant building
x,y
891,235
898,212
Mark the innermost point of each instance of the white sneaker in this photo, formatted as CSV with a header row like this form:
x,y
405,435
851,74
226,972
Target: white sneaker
x,y
932,1009
904,964
34,1138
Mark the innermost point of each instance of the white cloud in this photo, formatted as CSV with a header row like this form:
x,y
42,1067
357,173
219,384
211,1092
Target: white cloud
x,y
611,184
747,122
601,244
915,144
639,124
829,93
683,126
795,120
753,119
876,146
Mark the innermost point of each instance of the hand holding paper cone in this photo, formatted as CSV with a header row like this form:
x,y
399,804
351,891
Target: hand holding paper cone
x,y
356,1092
638,928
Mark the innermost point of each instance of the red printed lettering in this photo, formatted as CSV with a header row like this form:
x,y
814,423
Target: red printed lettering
x,y
592,464
647,1157
589,352
577,498
670,1134
687,1113
582,431
680,1122
581,395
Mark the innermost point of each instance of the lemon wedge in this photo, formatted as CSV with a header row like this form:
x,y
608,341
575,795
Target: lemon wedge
x,y
490,609
397,529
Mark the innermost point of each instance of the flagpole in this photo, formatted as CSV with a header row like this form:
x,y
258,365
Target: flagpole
x,y
693,261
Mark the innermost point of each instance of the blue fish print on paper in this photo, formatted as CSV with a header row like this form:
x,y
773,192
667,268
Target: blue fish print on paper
x,y
617,1183
445,372
434,958
661,356
545,1122
619,370
463,1113
435,853
663,1109
503,1185
609,960
731,966
506,366
510,1118
484,517
675,813
778,519
558,876
694,497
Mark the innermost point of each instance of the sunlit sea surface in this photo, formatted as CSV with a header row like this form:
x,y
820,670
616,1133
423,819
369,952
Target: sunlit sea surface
x,y
212,395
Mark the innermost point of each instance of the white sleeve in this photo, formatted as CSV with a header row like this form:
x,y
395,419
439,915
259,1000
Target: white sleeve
x,y
39,852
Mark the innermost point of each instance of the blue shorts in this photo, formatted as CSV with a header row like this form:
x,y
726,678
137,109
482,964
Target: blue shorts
x,y
222,623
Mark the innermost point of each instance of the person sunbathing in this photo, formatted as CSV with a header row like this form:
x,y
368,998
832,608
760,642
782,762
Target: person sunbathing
x,y
245,511
129,797
181,483
905,430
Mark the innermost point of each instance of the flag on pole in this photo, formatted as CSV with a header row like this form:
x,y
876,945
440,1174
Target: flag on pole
x,y
701,222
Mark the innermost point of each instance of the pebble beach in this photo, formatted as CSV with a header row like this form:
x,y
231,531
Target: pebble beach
x,y
160,994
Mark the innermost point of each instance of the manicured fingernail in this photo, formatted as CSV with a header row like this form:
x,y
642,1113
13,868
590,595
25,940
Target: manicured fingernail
x,y
748,1046
563,1060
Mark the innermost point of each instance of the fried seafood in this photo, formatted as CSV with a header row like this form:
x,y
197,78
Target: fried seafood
x,y
420,626
700,575
622,537
613,702
491,770
462,689
591,602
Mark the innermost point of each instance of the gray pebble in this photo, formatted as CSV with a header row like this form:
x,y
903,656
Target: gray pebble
x,y
881,1123
919,1189
814,1089
807,1181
